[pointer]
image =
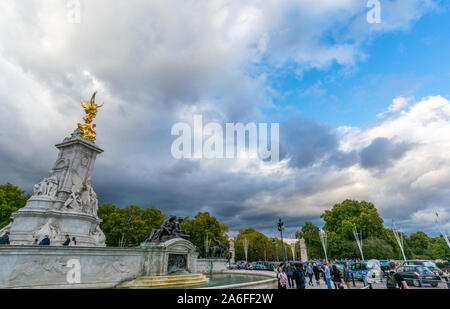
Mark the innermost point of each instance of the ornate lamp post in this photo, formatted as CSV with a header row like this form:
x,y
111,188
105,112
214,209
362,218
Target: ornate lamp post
x,y
280,229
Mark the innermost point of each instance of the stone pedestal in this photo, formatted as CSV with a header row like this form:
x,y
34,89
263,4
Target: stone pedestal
x,y
65,202
172,256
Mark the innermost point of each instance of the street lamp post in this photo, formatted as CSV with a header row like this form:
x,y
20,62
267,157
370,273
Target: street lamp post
x,y
280,229
323,239
274,251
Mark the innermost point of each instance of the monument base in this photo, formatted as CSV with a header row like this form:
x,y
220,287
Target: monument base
x,y
30,224
44,267
212,265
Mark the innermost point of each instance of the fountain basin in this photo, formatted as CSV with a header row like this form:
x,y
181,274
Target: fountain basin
x,y
165,282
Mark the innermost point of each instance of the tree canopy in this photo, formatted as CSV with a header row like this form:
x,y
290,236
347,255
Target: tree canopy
x,y
131,225
202,225
11,199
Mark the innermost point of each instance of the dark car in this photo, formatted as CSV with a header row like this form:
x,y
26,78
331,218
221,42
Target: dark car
x,y
430,265
417,275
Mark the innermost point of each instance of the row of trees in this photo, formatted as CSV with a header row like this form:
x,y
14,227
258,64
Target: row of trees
x,y
378,241
260,247
131,225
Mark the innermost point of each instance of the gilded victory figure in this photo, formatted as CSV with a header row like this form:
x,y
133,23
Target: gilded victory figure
x,y
91,110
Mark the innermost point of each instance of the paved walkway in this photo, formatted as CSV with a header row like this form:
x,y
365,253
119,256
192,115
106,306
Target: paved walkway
x,y
323,285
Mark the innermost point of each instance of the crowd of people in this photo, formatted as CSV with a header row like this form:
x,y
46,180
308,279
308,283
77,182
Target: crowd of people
x,y
298,276
4,240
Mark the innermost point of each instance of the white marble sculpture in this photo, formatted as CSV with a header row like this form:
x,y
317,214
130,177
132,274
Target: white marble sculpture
x,y
98,235
50,228
83,197
47,187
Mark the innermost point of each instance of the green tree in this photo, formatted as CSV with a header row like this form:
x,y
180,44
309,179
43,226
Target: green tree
x,y
258,245
377,249
204,224
131,224
419,243
439,248
341,217
310,233
11,199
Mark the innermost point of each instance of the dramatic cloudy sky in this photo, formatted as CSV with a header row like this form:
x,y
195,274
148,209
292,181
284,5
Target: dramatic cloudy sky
x,y
364,109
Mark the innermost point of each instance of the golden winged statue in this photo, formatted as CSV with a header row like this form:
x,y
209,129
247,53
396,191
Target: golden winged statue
x,y
91,110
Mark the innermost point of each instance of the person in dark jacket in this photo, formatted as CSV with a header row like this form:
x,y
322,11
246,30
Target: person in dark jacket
x,y
336,277
347,277
67,242
45,241
298,277
316,272
289,270
4,240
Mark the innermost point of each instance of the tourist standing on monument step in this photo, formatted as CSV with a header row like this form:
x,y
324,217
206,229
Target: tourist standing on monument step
x,y
45,241
73,242
67,242
4,240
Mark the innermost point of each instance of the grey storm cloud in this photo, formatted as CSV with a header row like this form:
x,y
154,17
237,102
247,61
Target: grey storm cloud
x,y
306,141
382,152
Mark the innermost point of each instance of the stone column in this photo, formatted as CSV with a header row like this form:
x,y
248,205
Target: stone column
x,y
303,252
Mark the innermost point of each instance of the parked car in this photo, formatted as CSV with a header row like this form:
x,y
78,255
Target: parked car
x,y
232,266
241,264
417,275
430,265
270,265
259,266
359,270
